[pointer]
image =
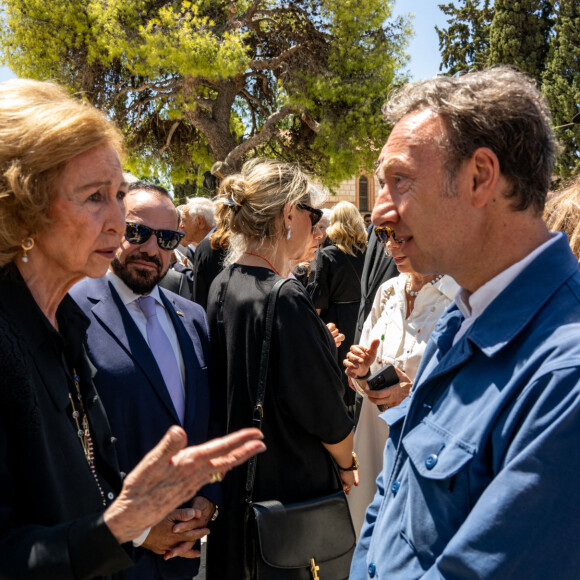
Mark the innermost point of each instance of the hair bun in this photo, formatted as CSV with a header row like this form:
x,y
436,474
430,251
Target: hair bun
x,y
235,189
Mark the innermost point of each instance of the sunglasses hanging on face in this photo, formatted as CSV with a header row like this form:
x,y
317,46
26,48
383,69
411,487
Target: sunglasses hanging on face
x,y
138,234
315,214
383,235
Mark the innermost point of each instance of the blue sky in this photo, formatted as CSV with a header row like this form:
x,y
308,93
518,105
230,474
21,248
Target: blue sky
x,y
423,48
5,73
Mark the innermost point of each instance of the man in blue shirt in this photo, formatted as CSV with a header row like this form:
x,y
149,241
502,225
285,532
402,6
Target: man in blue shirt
x,y
481,474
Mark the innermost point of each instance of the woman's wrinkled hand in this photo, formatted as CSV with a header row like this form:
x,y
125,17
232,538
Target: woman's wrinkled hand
x,y
171,474
360,358
393,395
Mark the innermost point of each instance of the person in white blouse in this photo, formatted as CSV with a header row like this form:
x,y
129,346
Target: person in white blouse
x,y
404,314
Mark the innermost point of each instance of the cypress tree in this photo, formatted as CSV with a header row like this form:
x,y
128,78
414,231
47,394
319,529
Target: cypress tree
x,y
519,35
464,44
561,83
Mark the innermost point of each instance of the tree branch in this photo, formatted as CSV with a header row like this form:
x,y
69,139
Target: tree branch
x,y
169,136
201,122
249,98
310,121
249,13
206,104
272,63
294,9
141,103
264,135
265,80
162,87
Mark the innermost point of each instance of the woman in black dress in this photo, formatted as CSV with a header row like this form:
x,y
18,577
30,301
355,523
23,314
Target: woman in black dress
x,y
64,510
306,426
336,289
208,261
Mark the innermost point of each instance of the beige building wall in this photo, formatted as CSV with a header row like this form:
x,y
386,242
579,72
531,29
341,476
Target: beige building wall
x,y
351,189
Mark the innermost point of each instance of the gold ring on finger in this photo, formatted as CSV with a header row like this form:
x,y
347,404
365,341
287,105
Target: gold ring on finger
x,y
215,477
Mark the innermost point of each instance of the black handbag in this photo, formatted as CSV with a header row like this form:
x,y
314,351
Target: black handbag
x,y
307,540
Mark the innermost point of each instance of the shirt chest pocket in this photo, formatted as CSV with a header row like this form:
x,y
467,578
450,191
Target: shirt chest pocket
x,y
437,481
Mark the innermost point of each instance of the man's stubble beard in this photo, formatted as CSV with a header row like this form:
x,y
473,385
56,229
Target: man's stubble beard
x,y
139,282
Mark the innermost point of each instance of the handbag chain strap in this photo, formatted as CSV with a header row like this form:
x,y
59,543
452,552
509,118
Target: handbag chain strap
x,y
258,413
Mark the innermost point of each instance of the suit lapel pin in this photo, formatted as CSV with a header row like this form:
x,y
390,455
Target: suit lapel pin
x,y
179,312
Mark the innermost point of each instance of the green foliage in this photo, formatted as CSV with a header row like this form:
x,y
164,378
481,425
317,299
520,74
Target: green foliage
x,y
352,90
561,84
191,82
519,34
183,191
464,44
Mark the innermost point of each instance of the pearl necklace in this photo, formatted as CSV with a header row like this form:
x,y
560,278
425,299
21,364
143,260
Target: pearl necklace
x,y
416,293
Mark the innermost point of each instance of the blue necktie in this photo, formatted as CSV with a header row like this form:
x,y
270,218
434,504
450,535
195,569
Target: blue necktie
x,y
162,350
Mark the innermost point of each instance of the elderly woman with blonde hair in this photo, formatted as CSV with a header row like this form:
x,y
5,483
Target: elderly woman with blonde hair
x,y
336,289
65,511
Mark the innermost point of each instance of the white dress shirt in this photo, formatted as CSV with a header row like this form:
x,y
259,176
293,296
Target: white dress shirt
x,y
129,300
473,304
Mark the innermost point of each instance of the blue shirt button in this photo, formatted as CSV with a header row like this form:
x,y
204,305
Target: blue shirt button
x,y
431,461
372,570
395,487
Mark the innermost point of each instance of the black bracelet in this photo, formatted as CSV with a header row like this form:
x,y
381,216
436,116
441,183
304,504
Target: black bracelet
x,y
353,467
364,377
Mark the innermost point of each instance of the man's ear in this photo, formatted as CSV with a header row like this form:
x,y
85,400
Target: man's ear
x,y
485,175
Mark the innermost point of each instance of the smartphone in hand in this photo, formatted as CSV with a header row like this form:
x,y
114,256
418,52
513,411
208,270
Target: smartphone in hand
x,y
383,378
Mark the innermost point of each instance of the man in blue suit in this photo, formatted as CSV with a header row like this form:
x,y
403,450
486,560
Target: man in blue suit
x,y
150,348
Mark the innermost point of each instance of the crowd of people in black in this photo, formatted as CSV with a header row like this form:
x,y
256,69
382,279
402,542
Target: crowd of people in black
x,y
135,396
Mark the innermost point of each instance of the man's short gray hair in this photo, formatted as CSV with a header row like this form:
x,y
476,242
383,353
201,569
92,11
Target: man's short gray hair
x,y
203,207
498,108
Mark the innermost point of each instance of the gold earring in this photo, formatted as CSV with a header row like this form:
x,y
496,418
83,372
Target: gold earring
x,y
27,245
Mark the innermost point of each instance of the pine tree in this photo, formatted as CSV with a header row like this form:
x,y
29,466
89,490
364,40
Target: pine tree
x,y
464,44
193,82
519,34
561,84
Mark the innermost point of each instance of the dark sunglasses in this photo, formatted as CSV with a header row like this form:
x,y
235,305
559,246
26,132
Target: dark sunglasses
x,y
315,214
138,234
383,235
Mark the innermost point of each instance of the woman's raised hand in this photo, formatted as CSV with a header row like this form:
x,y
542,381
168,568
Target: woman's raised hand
x,y
360,358
171,473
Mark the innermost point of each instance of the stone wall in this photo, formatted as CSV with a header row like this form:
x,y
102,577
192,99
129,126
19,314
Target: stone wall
x,y
349,191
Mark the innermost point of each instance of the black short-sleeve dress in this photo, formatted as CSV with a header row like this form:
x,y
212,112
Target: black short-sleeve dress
x,y
303,405
207,264
336,291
